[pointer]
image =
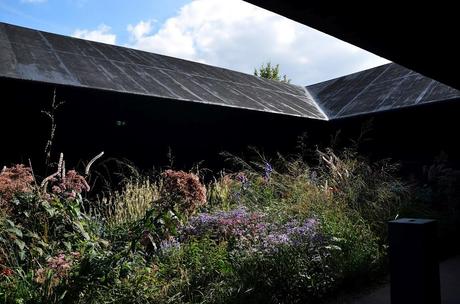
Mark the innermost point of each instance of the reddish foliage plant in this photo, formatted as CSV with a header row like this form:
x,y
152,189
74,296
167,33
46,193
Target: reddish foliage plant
x,y
70,185
184,189
14,180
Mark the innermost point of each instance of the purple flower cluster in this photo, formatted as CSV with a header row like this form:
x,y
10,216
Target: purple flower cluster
x,y
244,181
250,230
242,178
235,224
267,171
292,233
170,244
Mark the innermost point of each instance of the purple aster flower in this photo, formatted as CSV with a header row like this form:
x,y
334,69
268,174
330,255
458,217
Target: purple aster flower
x,y
167,245
267,171
243,180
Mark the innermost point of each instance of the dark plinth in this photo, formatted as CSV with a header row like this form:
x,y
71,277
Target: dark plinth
x,y
414,265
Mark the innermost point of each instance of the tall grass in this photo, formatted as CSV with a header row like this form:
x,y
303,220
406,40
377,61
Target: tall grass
x,y
129,204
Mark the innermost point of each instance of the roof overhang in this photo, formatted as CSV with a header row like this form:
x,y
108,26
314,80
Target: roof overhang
x,y
420,36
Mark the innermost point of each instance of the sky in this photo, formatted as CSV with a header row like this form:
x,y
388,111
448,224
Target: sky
x,y
231,34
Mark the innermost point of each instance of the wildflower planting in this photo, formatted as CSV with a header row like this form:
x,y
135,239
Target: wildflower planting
x,y
269,232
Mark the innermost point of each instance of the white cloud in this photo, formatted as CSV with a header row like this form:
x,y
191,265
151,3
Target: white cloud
x,y
140,30
101,34
33,1
240,36
172,39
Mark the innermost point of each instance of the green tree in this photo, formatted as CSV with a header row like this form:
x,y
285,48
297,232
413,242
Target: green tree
x,y
271,72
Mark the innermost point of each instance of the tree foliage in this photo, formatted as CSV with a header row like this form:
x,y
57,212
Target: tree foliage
x,y
271,72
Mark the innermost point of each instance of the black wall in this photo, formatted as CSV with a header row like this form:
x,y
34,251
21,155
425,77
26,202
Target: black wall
x,y
142,129
138,128
413,136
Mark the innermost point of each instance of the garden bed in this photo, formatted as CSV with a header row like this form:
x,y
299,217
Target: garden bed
x,y
276,231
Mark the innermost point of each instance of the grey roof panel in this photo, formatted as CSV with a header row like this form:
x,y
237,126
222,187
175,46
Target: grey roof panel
x,y
439,91
20,35
188,82
383,88
333,93
39,56
7,59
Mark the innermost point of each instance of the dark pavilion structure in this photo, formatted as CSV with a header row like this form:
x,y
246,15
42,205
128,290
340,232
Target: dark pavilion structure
x,y
138,105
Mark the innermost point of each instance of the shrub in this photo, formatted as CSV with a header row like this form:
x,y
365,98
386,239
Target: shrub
x,y
290,274
183,191
196,272
113,277
14,180
69,184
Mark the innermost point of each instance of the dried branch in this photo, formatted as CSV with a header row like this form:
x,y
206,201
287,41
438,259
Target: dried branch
x,y
33,174
51,114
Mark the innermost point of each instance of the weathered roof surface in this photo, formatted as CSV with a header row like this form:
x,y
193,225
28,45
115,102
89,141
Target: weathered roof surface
x,y
382,88
39,56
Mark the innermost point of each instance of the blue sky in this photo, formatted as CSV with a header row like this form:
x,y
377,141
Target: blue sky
x,y
231,33
64,16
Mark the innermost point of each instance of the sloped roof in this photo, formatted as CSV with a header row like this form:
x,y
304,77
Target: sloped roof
x,y
40,56
386,87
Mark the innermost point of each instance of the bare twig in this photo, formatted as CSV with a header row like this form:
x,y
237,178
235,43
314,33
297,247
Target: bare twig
x,y
51,114
33,174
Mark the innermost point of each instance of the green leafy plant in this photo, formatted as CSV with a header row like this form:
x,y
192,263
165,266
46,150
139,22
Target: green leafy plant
x,y
271,231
